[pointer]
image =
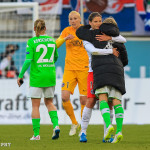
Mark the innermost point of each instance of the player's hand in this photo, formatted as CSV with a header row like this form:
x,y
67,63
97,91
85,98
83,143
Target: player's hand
x,y
115,52
103,37
20,81
69,37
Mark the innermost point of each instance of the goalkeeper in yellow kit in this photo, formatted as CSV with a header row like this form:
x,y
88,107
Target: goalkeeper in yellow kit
x,y
76,68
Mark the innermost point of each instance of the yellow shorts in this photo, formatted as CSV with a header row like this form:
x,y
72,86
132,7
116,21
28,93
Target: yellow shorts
x,y
73,77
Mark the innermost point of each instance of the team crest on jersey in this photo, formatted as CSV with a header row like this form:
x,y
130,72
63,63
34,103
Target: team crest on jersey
x,y
63,84
92,92
27,52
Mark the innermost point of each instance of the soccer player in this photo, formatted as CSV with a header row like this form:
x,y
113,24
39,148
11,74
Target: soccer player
x,y
41,54
76,69
113,85
95,21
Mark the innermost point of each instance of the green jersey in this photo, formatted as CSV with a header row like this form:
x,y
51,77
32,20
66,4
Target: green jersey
x,y
42,52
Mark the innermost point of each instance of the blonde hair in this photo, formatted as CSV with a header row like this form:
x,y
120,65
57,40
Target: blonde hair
x,y
39,25
75,13
110,20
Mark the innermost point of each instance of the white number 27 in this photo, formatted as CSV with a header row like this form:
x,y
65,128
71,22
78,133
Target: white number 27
x,y
41,60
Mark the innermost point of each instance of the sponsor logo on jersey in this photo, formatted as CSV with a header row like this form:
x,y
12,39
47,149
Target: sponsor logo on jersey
x,y
76,42
27,53
46,65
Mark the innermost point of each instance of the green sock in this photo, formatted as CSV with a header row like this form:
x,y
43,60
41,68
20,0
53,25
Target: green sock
x,y
104,108
119,117
36,126
54,118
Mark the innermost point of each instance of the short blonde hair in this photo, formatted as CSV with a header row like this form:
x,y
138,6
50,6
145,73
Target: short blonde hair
x,y
75,12
110,20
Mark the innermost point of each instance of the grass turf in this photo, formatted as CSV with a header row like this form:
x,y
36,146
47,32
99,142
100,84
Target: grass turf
x,y
135,137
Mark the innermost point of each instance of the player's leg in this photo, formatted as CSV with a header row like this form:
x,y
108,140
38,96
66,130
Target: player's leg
x,y
87,112
68,85
49,95
83,100
102,93
111,118
119,112
35,94
111,110
119,121
82,84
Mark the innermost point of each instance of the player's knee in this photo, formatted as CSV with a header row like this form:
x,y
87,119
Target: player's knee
x,y
116,102
83,99
65,96
35,107
90,103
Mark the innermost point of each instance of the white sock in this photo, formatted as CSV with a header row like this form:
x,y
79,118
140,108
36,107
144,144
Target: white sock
x,y
104,127
111,119
87,112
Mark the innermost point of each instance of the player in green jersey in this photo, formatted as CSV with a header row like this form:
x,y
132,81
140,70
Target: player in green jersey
x,y
41,55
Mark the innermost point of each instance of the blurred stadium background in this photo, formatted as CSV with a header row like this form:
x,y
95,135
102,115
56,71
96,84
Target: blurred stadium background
x,y
16,24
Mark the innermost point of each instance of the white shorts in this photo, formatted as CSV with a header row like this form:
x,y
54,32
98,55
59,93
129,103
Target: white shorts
x,y
37,92
110,91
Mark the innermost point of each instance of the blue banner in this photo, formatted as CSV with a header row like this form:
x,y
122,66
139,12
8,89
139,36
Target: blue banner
x,y
125,18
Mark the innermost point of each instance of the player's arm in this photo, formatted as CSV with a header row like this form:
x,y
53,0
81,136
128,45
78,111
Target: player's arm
x,y
29,57
55,54
119,39
91,49
96,51
104,37
63,37
61,40
84,33
24,68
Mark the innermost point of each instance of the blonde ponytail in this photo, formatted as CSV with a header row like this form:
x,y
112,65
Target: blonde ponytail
x,y
39,25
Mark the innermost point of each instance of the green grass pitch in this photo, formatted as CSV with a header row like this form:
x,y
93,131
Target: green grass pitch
x,y
135,137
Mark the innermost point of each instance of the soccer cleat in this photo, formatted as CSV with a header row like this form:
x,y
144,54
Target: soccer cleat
x,y
35,138
83,138
118,138
74,129
108,132
109,140
56,132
